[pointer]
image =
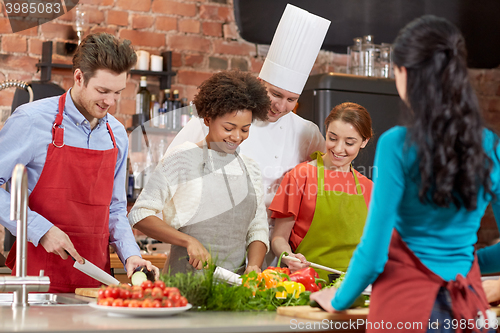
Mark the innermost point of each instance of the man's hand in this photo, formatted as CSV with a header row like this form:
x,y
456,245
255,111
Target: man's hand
x,y
198,255
295,265
56,241
135,261
324,298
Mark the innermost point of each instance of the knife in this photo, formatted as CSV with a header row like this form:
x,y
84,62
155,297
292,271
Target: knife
x,y
94,272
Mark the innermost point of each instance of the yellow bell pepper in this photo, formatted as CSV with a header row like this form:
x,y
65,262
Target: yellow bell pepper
x,y
291,287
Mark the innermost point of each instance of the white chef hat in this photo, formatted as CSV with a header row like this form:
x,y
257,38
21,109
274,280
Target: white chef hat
x,y
294,49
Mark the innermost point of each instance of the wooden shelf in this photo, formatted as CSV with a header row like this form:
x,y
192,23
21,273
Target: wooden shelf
x,y
46,65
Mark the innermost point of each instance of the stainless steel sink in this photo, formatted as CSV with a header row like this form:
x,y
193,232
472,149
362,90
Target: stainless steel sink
x,y
47,299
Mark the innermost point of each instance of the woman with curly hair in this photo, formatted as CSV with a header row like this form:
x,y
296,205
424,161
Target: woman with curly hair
x,y
435,179
211,197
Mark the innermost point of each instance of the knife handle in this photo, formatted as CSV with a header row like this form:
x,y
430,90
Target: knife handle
x,y
72,256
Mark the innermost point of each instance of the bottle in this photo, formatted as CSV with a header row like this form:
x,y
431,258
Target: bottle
x,y
130,181
185,112
167,108
137,179
149,168
162,147
176,111
154,112
143,99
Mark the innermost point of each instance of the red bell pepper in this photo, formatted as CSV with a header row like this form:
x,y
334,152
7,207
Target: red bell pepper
x,y
307,276
281,270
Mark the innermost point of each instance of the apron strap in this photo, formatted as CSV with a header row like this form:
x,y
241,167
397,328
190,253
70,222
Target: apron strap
x,y
57,131
111,134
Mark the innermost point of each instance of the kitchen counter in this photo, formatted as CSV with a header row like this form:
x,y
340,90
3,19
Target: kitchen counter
x,y
82,318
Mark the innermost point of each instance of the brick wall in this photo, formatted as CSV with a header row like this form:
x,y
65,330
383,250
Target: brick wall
x,y
204,39
202,35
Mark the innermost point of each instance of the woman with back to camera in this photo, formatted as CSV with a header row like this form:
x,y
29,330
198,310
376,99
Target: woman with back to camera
x,y
320,207
210,196
434,180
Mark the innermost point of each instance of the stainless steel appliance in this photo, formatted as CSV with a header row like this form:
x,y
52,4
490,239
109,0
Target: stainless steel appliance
x,y
379,96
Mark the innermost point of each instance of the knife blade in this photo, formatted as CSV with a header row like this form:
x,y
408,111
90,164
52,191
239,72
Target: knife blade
x,y
95,272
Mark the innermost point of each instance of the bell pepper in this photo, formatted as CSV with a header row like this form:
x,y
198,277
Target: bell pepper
x,y
271,278
294,288
307,276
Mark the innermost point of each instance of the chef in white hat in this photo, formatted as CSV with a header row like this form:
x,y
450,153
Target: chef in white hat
x,y
285,139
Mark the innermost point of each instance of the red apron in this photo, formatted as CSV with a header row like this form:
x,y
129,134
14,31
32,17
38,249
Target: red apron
x,y
406,291
74,193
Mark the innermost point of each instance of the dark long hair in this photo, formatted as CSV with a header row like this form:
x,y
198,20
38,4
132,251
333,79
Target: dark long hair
x,y
447,124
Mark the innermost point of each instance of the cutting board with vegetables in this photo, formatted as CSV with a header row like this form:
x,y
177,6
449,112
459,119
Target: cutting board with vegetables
x,y
307,312
89,292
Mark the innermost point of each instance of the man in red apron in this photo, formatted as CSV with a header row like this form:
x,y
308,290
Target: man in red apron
x,y
75,153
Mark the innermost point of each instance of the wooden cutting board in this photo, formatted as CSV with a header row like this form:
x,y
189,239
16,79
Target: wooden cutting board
x,y
89,292
307,312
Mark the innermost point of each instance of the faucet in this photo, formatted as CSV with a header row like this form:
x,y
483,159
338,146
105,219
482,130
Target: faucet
x,y
21,284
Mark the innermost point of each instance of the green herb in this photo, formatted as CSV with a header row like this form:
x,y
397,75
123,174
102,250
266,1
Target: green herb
x,y
206,294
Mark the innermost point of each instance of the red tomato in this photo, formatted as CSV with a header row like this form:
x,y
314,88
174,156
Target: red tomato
x,y
175,297
169,291
112,292
157,293
183,301
137,294
125,293
118,302
156,303
106,301
147,285
159,284
148,291
100,293
147,303
134,304
126,302
167,303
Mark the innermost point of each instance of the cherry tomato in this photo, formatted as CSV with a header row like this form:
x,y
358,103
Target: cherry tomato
x,y
159,284
157,293
112,292
156,304
147,303
169,291
125,293
148,291
106,301
134,304
183,301
167,303
100,293
137,294
118,302
147,285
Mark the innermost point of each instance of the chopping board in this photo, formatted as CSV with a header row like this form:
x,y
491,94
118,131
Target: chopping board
x,y
89,292
307,312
